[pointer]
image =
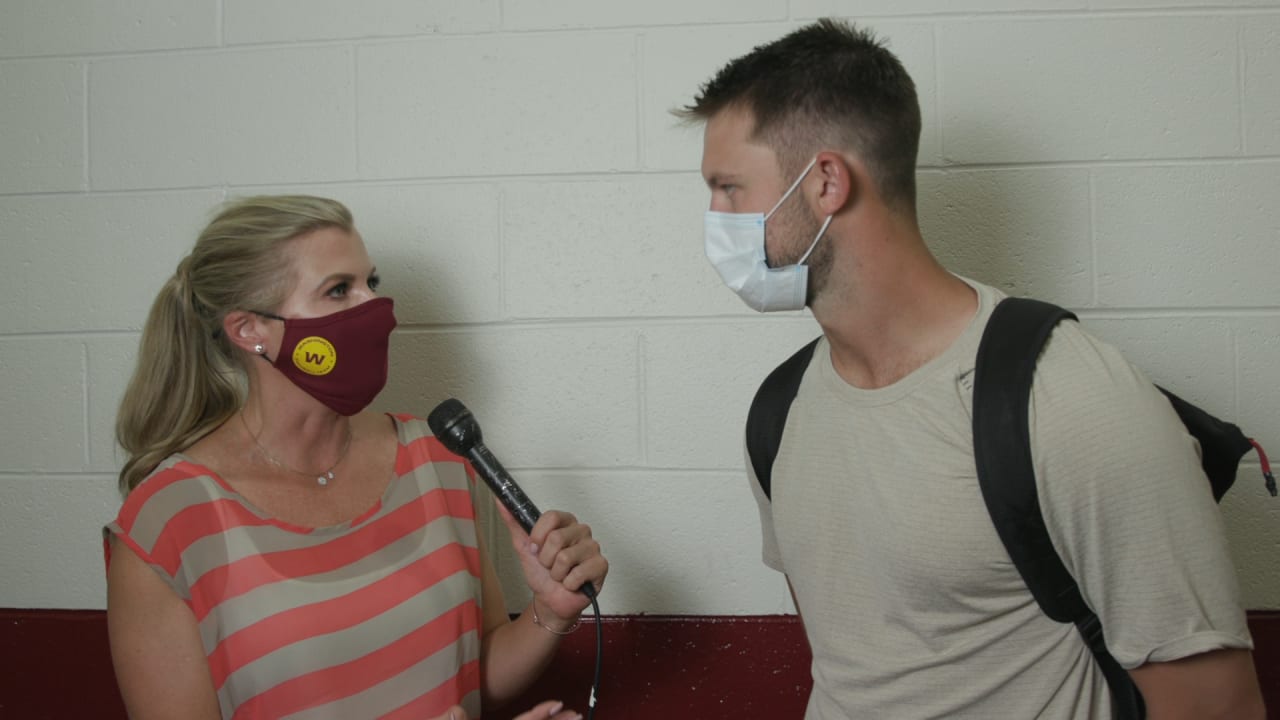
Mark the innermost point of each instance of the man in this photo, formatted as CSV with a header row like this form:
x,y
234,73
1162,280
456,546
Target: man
x,y
910,603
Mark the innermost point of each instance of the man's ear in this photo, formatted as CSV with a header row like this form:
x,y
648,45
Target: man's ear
x,y
842,179
244,330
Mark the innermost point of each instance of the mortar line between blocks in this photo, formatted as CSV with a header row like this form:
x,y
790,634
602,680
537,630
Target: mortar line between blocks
x,y
502,252
85,175
943,17
220,21
88,407
1241,69
355,109
1234,329
641,138
937,96
642,406
1093,238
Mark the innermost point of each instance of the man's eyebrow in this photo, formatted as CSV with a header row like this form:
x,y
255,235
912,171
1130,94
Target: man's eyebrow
x,y
716,179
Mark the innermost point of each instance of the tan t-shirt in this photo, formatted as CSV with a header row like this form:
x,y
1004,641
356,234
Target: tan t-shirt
x,y
910,602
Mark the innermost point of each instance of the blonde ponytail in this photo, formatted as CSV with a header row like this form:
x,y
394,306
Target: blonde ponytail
x,y
189,378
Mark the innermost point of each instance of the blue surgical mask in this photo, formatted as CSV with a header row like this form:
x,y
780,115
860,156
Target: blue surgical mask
x,y
735,246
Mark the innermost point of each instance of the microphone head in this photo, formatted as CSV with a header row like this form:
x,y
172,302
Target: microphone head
x,y
454,426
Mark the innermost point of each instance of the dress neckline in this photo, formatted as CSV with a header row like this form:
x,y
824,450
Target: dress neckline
x,y
361,518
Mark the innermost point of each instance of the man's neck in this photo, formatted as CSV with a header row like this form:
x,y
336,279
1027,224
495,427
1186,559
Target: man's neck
x,y
900,310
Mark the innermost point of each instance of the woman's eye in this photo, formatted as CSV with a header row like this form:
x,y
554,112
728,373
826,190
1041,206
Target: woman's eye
x,y
374,282
339,290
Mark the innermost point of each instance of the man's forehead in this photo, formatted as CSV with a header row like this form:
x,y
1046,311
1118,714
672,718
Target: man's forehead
x,y
732,125
728,146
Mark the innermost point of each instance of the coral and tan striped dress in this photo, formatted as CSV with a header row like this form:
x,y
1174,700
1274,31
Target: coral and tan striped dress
x,y
376,618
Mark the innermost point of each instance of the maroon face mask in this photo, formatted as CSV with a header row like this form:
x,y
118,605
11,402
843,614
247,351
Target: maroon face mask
x,y
339,359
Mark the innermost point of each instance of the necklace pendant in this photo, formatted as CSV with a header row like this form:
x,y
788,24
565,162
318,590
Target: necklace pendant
x,y
325,478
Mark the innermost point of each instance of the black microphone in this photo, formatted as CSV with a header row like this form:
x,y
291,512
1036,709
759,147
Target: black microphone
x,y
457,429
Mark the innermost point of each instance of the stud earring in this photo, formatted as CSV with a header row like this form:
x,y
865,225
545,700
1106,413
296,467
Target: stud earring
x,y
259,349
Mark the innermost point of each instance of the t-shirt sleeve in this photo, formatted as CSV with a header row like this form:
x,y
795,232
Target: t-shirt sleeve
x,y
1128,507
146,525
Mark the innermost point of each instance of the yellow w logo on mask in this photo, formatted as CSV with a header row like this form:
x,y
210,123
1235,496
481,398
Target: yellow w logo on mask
x,y
315,356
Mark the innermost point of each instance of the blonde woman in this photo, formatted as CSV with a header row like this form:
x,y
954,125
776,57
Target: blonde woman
x,y
281,551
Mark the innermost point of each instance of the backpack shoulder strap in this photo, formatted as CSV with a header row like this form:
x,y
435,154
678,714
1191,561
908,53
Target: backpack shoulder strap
x,y
768,414
1011,344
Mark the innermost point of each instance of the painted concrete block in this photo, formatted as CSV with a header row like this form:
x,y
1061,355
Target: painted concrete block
x,y
251,116
1088,89
522,104
42,107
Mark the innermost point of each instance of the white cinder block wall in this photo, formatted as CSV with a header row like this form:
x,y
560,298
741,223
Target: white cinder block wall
x,y
537,215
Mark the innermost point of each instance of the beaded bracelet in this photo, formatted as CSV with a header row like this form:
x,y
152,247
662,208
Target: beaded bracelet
x,y
548,628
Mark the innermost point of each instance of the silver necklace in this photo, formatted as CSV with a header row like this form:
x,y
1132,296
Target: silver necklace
x,y
323,478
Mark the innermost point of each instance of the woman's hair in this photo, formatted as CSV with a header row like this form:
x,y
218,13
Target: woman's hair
x,y
189,379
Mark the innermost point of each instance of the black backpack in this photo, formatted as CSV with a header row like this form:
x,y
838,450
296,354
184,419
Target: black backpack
x,y
1007,355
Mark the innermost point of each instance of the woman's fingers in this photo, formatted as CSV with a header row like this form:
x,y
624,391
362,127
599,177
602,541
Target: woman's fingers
x,y
559,555
553,709
563,544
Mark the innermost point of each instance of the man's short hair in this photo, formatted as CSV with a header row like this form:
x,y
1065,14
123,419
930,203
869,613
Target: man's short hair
x,y
826,83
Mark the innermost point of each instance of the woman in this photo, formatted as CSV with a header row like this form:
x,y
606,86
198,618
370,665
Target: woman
x,y
280,550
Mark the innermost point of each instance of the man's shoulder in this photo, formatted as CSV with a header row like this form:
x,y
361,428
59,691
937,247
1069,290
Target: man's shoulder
x,y
1077,367
1091,406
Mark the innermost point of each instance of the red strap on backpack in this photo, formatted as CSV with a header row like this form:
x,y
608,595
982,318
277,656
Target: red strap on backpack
x,y
1266,467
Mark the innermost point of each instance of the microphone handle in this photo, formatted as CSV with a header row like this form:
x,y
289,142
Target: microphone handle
x,y
510,494
500,482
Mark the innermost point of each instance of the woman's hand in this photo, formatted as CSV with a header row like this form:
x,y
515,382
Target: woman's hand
x,y
549,710
558,555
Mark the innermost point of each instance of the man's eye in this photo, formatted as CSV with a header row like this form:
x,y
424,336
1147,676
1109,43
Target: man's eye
x,y
374,282
339,290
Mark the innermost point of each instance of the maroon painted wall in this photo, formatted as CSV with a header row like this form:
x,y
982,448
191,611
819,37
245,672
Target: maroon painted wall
x,y
55,664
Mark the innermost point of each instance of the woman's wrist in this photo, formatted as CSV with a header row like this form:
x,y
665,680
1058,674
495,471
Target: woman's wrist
x,y
551,622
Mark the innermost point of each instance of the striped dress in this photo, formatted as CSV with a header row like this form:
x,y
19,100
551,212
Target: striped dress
x,y
376,618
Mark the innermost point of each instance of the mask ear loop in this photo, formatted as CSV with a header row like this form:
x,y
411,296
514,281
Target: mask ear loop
x,y
787,194
821,232
793,187
259,350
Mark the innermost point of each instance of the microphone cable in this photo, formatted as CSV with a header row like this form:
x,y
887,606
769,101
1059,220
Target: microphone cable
x,y
595,683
